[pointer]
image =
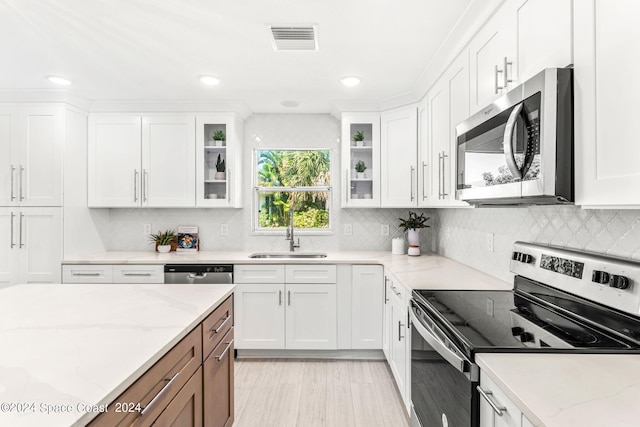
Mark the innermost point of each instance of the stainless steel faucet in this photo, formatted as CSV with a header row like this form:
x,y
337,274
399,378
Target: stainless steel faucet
x,y
289,237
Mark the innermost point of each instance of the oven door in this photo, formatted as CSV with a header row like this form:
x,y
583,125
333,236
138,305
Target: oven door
x,y
443,380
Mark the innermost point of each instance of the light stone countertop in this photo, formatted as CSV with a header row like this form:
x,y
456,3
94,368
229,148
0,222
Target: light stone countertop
x,y
560,390
427,271
77,344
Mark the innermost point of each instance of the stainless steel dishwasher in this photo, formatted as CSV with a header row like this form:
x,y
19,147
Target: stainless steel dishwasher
x,y
198,274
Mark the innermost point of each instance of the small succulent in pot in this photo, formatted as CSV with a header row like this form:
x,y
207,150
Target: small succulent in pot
x,y
360,166
358,136
220,166
163,240
414,221
219,135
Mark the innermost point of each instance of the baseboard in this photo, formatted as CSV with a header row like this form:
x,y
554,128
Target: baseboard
x,y
311,354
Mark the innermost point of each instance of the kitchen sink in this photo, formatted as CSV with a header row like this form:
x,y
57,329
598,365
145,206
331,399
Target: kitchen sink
x,y
288,255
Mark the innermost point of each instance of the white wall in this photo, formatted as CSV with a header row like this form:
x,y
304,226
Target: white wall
x,y
125,229
461,234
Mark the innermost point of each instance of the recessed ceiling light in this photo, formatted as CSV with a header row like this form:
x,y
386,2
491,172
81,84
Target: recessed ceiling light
x,y
209,80
350,81
289,103
59,80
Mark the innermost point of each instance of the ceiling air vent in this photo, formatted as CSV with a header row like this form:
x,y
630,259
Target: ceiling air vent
x,y
294,37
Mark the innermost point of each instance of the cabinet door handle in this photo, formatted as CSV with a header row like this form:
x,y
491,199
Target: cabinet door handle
x,y
229,344
12,244
424,180
13,196
289,297
228,183
444,187
21,195
135,185
400,325
219,328
412,173
386,298
507,80
346,186
279,297
160,393
495,82
145,185
439,176
20,234
499,410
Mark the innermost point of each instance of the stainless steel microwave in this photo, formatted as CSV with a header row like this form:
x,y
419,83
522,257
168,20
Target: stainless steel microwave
x,y
519,150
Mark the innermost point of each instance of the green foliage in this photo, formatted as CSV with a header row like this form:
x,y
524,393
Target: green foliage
x,y
219,135
163,237
360,166
311,218
293,168
414,221
358,136
220,165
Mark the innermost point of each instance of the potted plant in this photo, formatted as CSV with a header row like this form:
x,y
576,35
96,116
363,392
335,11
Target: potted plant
x,y
412,226
220,169
360,168
219,137
163,240
358,138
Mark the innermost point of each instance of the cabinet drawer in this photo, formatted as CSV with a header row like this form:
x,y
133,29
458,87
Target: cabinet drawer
x,y
87,273
159,385
257,273
216,326
396,292
511,415
218,384
138,274
310,273
186,408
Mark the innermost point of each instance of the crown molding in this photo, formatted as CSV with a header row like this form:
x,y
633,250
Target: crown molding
x,y
170,106
45,96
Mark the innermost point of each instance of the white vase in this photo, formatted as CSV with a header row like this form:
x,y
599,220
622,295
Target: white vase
x,y
220,175
164,249
218,142
359,175
359,143
413,235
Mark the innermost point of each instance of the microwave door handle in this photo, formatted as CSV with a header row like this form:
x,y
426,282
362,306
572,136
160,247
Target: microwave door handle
x,y
508,142
456,361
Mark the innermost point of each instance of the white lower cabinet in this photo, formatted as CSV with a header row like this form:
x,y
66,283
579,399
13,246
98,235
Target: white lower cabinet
x,y
398,349
496,409
32,250
367,294
301,316
106,273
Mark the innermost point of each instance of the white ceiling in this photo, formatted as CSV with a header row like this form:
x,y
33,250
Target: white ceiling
x,y
156,49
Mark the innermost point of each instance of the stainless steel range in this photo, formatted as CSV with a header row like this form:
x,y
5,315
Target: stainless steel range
x,y
563,301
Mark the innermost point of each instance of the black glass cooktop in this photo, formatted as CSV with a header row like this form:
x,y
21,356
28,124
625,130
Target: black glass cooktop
x,y
532,318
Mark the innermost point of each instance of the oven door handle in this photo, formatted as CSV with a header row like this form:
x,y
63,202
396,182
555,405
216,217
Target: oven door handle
x,y
458,362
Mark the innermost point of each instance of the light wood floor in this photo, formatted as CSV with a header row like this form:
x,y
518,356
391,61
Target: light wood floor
x,y
309,393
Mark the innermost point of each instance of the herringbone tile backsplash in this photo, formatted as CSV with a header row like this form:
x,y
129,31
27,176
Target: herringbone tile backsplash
x,y
460,234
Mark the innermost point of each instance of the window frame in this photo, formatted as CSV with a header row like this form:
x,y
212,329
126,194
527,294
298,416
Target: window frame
x,y
257,190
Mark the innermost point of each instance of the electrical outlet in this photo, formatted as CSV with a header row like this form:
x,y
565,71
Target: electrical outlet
x,y
347,230
224,229
384,230
147,228
490,238
490,307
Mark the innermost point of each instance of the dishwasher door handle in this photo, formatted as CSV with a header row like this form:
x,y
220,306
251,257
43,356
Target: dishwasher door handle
x,y
197,276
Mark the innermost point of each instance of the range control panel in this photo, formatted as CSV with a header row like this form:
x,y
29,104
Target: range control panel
x,y
611,281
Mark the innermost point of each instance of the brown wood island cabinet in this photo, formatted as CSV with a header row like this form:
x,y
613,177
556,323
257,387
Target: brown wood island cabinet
x,y
190,386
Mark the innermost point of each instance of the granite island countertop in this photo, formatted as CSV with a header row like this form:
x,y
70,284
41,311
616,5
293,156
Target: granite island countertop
x,y
68,347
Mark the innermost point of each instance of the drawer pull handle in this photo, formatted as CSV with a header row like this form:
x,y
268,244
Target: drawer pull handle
x,y
498,409
86,274
160,393
137,274
229,344
215,331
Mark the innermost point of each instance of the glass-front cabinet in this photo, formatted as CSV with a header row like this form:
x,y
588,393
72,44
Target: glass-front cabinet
x,y
360,160
218,157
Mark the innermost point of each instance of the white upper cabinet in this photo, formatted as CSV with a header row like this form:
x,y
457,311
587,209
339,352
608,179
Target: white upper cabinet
x,y
218,161
168,155
520,40
607,39
141,161
31,146
492,52
361,160
398,157
446,105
